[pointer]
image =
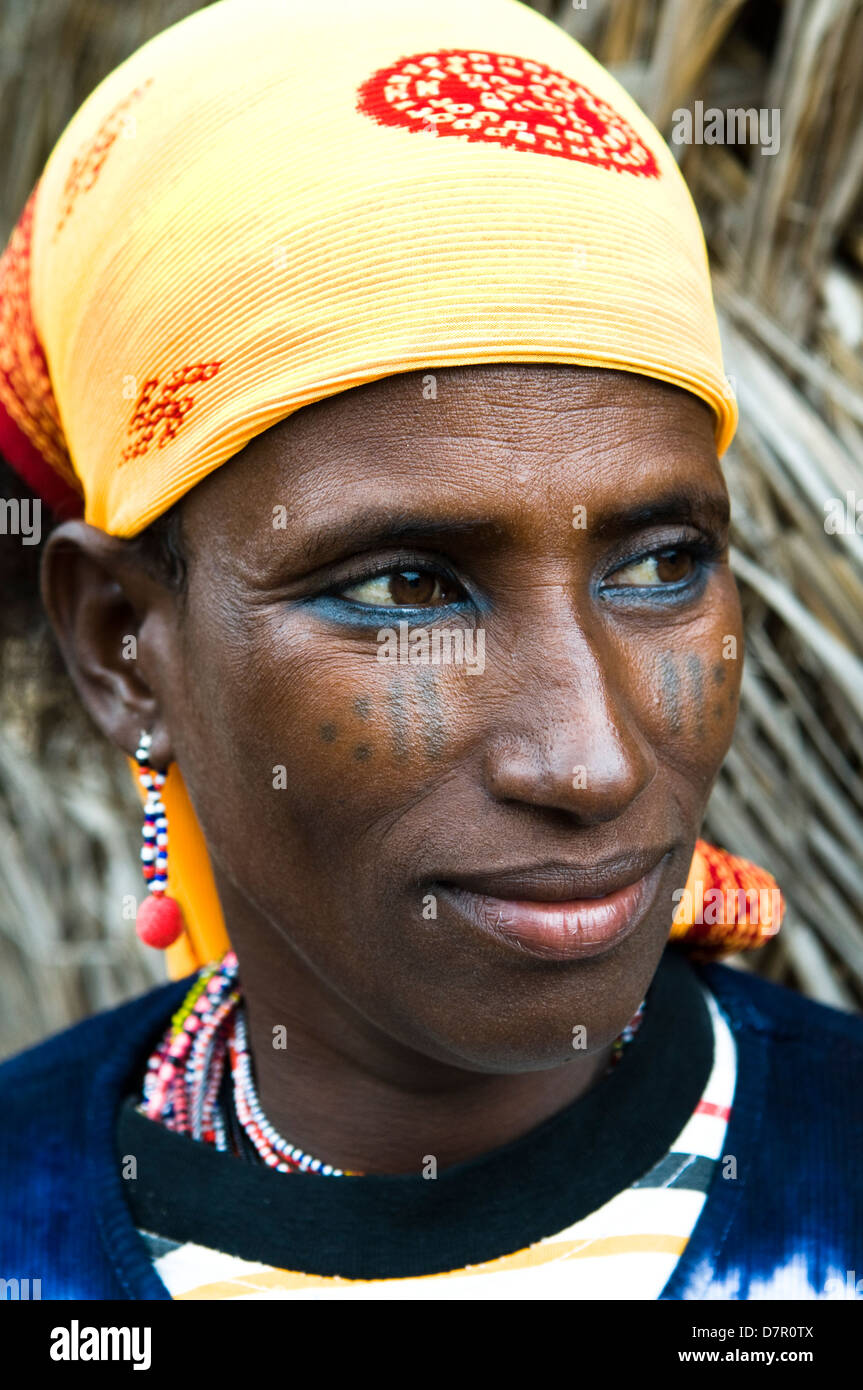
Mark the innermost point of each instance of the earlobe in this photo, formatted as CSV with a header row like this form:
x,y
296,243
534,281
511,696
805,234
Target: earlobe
x,y
98,599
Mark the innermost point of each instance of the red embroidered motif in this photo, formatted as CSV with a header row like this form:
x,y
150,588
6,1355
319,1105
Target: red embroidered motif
x,y
158,417
26,394
504,100
88,162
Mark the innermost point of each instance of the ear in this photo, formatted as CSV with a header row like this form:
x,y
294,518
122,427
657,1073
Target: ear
x,y
114,623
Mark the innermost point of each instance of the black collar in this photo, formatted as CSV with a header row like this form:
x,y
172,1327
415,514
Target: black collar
x,y
404,1226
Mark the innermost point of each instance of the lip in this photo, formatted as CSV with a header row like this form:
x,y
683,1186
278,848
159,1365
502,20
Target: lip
x,y
546,911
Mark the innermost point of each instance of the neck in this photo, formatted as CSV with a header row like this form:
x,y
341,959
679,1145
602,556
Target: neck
x,y
339,1087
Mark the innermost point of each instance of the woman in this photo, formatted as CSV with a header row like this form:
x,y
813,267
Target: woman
x,y
380,354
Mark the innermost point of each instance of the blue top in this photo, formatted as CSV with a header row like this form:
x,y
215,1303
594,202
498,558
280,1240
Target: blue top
x,y
789,1225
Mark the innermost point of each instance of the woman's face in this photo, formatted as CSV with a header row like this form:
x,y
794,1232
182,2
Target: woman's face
x,y
565,531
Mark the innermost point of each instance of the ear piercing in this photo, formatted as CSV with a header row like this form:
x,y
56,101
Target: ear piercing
x,y
159,921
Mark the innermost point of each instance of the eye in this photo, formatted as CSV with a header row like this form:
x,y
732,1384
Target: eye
x,y
672,566
407,588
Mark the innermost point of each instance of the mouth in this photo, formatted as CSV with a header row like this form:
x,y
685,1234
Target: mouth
x,y
559,912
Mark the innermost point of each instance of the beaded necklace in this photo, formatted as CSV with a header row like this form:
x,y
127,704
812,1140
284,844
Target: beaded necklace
x,y
184,1075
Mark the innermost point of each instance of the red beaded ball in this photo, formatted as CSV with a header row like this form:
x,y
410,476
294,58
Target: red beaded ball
x,y
159,921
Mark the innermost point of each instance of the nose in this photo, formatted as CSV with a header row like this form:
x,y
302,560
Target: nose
x,y
569,741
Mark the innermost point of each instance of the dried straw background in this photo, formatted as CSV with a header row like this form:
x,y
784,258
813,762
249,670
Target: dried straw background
x,y
785,232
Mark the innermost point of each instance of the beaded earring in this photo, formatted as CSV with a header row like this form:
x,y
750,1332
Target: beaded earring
x,y
159,921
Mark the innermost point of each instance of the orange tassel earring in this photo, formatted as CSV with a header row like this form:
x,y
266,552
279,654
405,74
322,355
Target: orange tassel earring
x,y
159,921
728,904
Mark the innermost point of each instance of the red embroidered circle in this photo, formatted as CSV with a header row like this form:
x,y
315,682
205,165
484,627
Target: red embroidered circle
x,y
504,100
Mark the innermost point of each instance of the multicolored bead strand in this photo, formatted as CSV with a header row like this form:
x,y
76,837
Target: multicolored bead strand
x,y
626,1036
184,1074
159,921
277,1152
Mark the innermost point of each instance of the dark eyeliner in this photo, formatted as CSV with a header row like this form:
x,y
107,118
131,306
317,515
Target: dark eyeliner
x,y
332,604
704,550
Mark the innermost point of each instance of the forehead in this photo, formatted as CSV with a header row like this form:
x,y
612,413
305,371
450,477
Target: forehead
x,y
495,439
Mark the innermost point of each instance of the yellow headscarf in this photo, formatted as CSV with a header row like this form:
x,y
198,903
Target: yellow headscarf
x,y
274,201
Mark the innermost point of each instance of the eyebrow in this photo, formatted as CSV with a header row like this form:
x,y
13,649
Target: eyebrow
x,y
696,509
372,527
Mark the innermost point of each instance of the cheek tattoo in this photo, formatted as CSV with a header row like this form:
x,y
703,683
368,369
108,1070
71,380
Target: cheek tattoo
x,y
696,676
329,732
399,716
719,674
432,712
362,709
671,691
421,704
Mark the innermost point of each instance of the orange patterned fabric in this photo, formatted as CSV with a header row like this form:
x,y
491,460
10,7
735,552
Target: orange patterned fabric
x,y
728,904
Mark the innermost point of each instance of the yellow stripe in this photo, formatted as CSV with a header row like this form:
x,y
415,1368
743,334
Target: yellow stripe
x,y
533,1256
